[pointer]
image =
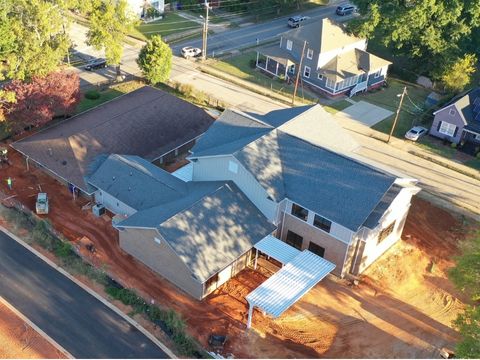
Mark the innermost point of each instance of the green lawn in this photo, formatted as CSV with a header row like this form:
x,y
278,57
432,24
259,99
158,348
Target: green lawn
x,y
337,106
240,67
475,163
172,23
430,145
412,109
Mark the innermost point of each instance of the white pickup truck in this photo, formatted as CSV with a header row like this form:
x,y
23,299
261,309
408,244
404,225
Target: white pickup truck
x,y
41,206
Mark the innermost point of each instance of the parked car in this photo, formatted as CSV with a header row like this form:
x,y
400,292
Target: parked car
x,y
346,9
295,21
96,64
189,52
41,206
416,133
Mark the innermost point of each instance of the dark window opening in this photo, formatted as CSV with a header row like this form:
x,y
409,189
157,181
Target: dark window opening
x,y
322,223
299,212
316,249
294,240
385,232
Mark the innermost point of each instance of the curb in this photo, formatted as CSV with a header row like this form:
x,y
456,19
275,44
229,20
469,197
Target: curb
x,y
91,292
36,328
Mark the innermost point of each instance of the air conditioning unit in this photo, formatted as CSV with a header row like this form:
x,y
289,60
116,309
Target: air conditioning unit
x,y
98,210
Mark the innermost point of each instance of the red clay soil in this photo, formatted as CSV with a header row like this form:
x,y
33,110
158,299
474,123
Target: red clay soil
x,y
332,320
18,340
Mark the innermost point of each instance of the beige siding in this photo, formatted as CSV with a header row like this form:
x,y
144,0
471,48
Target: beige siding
x,y
335,250
141,244
217,168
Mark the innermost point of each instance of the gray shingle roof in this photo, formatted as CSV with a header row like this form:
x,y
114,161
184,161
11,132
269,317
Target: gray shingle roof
x,y
469,110
136,182
146,122
306,160
209,228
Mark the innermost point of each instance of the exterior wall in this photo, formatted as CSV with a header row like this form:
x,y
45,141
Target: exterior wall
x,y
161,258
444,115
366,245
372,80
217,168
335,250
229,272
114,205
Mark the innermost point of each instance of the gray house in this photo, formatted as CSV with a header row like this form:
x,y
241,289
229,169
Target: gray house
x,y
459,122
286,184
334,62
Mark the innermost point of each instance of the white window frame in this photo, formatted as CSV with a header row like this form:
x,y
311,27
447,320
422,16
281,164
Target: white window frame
x,y
452,112
320,77
310,54
446,128
289,44
292,68
305,71
377,74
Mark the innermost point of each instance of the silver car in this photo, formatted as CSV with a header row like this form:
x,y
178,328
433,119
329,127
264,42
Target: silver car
x,y
416,133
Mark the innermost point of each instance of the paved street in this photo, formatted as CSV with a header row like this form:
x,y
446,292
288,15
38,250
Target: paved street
x,y
247,35
76,320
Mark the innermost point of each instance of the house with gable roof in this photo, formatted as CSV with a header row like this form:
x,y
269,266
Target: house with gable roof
x,y
287,184
334,62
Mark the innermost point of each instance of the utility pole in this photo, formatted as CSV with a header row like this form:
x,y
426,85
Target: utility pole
x,y
205,31
298,73
396,115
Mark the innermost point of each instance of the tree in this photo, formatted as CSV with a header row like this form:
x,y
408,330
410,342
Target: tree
x,y
110,22
466,277
41,98
428,32
155,60
32,38
458,75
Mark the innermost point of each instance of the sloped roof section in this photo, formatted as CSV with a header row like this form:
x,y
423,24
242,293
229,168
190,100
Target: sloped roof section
x,y
136,182
146,122
213,231
322,36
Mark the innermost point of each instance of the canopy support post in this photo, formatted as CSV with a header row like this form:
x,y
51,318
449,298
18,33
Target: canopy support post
x,y
256,259
250,314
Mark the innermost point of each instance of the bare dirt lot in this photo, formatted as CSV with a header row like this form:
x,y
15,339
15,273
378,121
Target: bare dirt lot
x,y
19,341
402,307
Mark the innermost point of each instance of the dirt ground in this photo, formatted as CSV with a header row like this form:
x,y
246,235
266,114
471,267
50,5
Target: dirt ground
x,y
402,307
20,341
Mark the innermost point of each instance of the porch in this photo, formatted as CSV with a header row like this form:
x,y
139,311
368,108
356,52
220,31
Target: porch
x,y
276,61
470,142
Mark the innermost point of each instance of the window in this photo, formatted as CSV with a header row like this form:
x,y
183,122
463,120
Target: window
x,y
316,249
322,223
157,240
452,112
299,212
320,77
310,54
306,72
289,44
291,69
294,240
385,232
447,128
233,167
378,73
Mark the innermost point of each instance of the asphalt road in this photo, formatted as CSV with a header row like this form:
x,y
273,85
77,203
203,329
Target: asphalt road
x,y
247,35
83,325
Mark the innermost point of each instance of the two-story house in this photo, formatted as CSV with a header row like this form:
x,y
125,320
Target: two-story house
x,y
334,62
290,176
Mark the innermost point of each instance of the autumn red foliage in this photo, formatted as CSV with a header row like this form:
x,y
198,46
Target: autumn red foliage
x,y
39,100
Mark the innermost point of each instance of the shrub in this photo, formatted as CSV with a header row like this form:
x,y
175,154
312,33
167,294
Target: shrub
x,y
478,155
63,249
41,234
453,145
186,90
92,95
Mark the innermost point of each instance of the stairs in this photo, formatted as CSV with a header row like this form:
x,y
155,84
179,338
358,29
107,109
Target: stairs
x,y
362,86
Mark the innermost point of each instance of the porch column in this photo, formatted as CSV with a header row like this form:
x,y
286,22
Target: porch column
x,y
256,63
266,63
276,70
250,314
256,258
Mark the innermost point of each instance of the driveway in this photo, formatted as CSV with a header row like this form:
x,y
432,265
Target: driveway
x,y
76,320
364,113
